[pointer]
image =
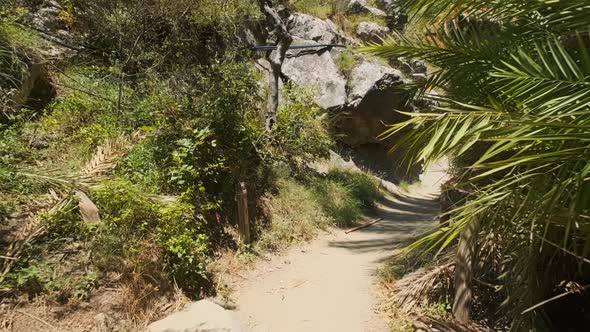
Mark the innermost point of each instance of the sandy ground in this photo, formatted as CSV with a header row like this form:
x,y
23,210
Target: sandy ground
x,y
330,284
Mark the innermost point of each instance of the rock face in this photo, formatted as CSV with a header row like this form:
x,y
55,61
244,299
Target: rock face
x,y
371,32
308,27
319,71
48,16
201,316
364,100
361,7
374,94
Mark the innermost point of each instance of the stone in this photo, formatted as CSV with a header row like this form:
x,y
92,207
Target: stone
x,y
375,93
366,76
39,144
371,32
384,4
397,18
312,28
361,7
200,316
88,210
319,71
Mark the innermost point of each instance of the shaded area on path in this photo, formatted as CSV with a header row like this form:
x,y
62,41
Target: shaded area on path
x,y
328,284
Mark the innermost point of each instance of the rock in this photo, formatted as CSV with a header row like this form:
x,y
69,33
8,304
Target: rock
x,y
200,316
371,32
361,7
36,89
312,28
319,71
47,17
103,323
409,66
374,94
384,4
367,76
39,144
88,210
397,18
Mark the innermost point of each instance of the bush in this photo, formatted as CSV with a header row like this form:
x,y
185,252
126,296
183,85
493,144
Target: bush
x,y
295,214
130,217
361,185
345,62
339,202
300,135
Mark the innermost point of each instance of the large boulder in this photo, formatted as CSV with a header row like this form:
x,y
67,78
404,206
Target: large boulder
x,y
371,32
48,16
375,93
318,70
201,316
361,7
312,28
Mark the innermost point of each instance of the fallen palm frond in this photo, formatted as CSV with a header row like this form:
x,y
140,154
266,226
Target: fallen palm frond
x,y
423,286
32,228
102,162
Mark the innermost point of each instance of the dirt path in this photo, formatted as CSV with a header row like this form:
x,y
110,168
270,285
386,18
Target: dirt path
x,y
327,285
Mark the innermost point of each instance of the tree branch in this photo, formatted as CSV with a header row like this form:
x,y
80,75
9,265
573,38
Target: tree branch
x,y
276,58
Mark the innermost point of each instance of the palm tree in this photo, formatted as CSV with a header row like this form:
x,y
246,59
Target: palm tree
x,y
512,89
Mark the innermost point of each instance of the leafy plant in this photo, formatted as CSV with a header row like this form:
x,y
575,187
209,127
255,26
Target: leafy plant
x,y
301,134
515,117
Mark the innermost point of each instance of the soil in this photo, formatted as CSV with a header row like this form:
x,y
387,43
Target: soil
x,y
330,284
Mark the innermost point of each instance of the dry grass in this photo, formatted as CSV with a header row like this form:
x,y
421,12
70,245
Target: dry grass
x,y
295,215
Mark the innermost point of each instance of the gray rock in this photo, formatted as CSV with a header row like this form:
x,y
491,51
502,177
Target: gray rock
x,y
367,76
384,4
361,7
374,94
319,71
200,316
40,144
315,29
371,32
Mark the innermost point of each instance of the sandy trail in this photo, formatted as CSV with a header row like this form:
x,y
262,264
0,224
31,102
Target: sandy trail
x,y
328,285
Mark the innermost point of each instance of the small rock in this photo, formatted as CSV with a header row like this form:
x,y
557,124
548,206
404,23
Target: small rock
x,y
39,144
198,316
103,323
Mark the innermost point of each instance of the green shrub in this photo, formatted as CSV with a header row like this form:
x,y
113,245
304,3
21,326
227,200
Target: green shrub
x,y
130,217
345,62
295,215
320,8
300,135
339,202
362,186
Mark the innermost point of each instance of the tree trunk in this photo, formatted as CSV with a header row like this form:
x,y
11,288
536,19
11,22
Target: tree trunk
x,y
464,271
276,59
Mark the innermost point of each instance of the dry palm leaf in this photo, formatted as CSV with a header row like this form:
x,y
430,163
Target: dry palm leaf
x,y
99,165
419,287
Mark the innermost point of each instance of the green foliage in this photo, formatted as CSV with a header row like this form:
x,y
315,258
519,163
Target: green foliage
x,y
41,277
295,215
319,8
338,202
361,185
130,216
345,62
515,81
298,210
300,135
171,34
